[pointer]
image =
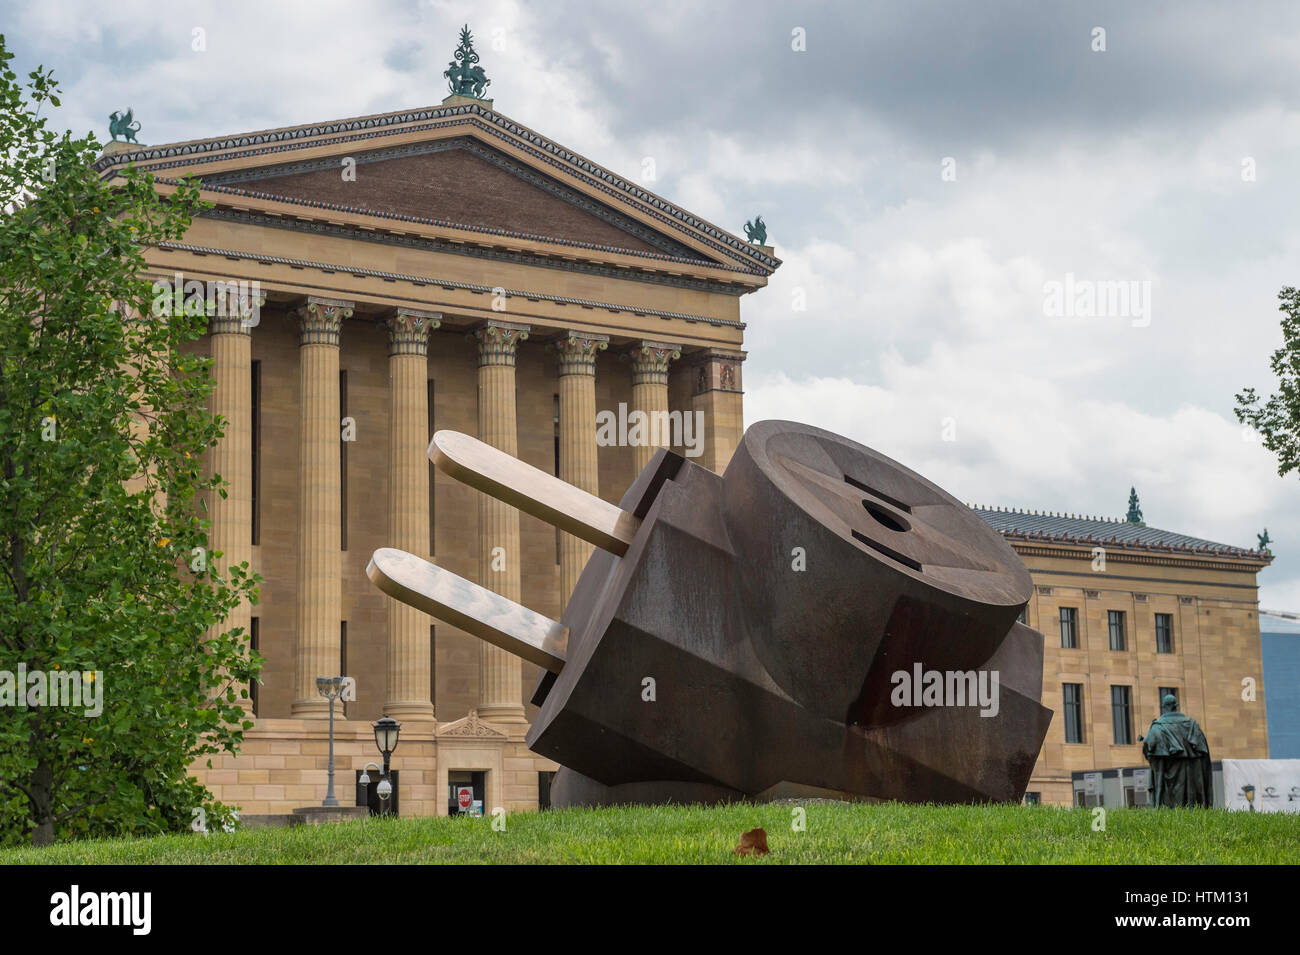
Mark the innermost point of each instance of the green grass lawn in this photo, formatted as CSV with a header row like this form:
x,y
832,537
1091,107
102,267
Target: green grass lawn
x,y
883,833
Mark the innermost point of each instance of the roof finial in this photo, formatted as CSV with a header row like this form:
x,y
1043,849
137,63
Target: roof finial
x,y
464,76
1134,511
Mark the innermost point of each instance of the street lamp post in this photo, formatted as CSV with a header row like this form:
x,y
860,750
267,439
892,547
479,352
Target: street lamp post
x,y
330,688
387,730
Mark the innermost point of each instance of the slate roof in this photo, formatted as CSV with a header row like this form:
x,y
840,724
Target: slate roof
x,y
1073,529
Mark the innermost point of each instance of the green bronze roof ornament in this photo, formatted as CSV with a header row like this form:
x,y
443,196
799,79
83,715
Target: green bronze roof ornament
x,y
1134,511
464,76
124,126
1264,541
756,231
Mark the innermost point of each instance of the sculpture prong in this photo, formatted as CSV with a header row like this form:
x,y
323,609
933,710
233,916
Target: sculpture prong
x,y
533,491
474,609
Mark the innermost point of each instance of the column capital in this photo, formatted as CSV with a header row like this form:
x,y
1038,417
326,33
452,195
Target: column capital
x,y
650,361
321,319
408,330
578,350
499,341
235,313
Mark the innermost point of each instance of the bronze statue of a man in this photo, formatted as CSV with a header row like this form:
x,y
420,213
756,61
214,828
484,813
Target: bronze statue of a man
x,y
1179,757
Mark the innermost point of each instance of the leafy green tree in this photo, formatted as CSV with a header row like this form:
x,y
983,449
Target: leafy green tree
x,y
103,430
1277,418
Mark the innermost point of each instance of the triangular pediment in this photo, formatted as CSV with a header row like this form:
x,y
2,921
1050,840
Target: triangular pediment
x,y
460,174
458,182
472,727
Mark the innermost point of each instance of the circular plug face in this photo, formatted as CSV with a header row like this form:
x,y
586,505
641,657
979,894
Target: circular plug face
x,y
851,567
892,514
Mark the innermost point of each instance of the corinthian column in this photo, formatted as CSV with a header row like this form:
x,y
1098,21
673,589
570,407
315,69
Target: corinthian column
x,y
650,395
500,683
320,596
232,458
577,439
409,694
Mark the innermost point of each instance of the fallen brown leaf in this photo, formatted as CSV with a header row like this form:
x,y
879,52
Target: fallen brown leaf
x,y
754,841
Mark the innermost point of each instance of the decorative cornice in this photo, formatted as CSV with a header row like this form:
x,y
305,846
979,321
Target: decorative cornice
x,y
578,350
498,342
422,280
1118,554
705,355
489,121
320,320
447,247
650,361
408,331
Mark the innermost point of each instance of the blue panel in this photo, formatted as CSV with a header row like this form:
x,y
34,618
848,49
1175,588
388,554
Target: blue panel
x,y
1281,655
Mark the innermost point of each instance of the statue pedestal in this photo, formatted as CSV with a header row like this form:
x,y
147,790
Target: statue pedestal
x,y
117,146
456,99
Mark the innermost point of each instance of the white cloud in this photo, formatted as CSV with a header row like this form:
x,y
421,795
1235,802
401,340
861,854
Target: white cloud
x,y
924,297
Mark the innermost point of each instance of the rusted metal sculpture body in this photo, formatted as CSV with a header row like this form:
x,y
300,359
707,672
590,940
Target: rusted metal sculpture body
x,y
818,620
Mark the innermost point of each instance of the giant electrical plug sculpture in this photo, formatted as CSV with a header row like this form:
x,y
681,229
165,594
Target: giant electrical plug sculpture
x,y
818,620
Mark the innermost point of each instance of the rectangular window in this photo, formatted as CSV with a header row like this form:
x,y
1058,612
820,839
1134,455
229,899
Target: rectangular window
x,y
1164,633
343,463
256,456
1115,620
1069,628
1162,692
254,643
1033,798
432,470
1072,694
1121,714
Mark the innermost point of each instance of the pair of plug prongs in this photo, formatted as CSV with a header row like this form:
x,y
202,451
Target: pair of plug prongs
x,y
477,610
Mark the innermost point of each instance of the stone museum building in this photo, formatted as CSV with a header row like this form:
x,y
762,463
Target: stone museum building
x,y
449,268
443,268
1129,613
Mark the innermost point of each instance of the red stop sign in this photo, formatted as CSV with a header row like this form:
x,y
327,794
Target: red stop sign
x,y
464,797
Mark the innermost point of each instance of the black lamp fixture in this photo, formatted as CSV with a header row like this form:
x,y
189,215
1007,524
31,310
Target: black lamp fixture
x,y
387,730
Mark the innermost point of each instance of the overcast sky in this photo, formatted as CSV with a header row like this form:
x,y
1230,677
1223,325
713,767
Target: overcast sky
x,y
923,293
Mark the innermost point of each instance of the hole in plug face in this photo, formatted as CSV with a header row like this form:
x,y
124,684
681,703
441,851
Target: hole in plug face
x,y
886,519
